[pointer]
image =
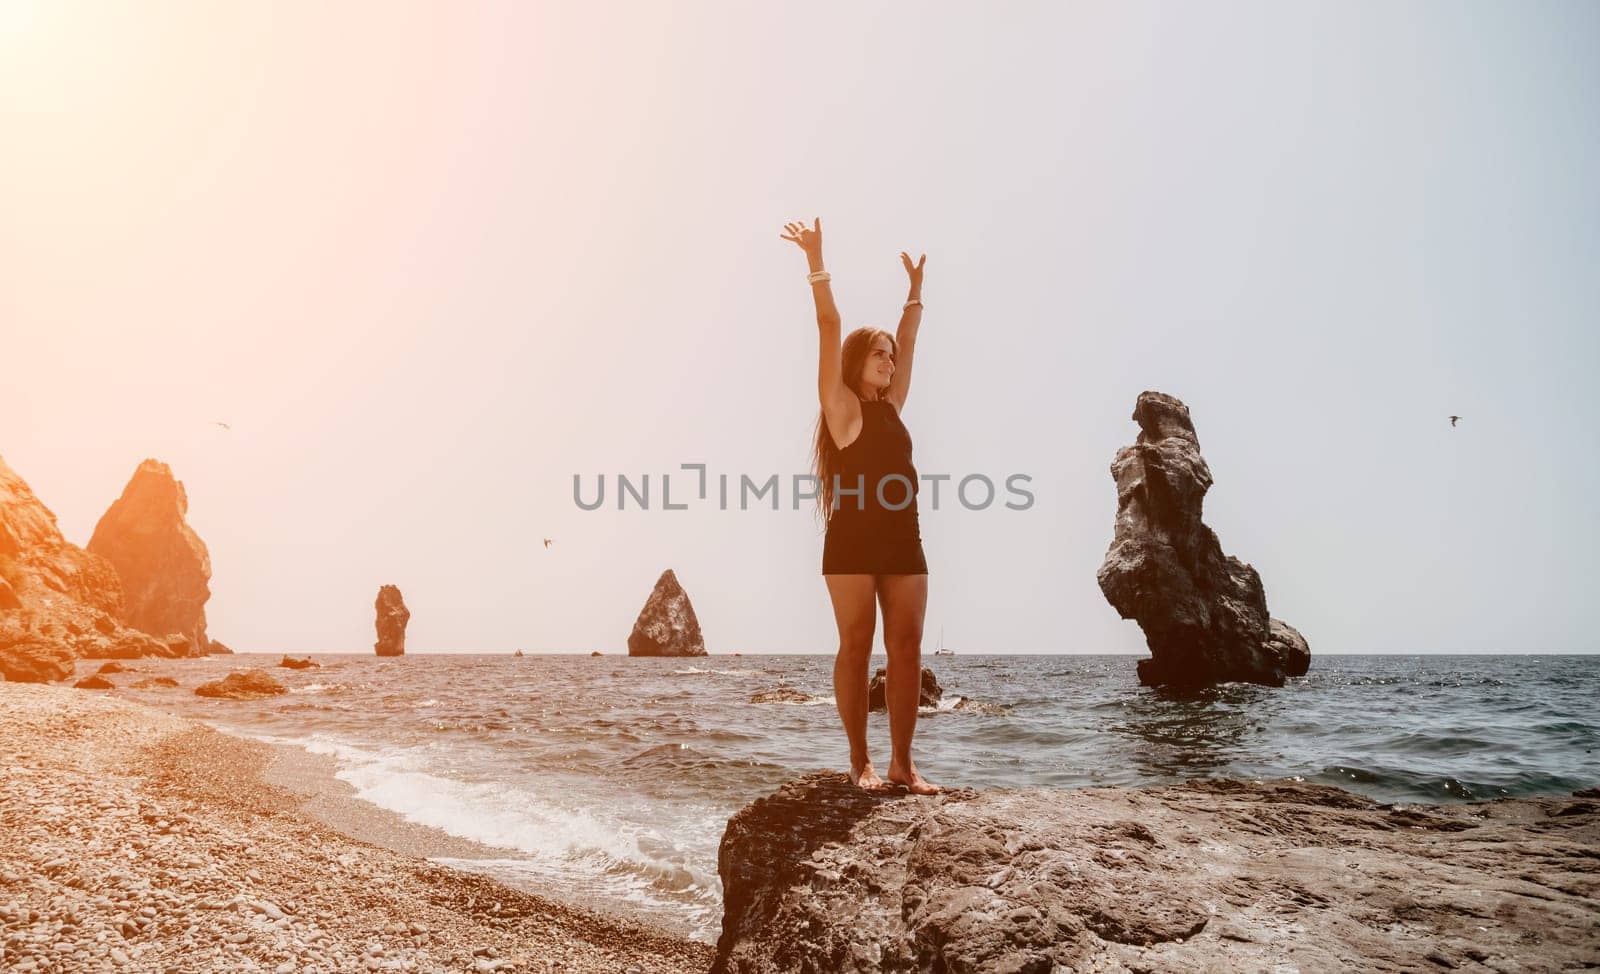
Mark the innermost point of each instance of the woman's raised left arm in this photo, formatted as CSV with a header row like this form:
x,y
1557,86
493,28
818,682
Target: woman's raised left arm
x,y
905,335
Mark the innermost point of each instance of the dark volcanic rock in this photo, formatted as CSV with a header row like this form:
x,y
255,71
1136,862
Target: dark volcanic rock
x,y
114,667
298,662
1212,875
927,695
242,686
94,683
164,566
392,616
1204,614
215,647
1289,646
666,625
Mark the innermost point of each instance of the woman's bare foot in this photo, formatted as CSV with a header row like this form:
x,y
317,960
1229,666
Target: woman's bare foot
x,y
908,777
865,778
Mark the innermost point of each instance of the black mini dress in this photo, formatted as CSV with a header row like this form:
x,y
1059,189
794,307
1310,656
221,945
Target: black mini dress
x,y
866,534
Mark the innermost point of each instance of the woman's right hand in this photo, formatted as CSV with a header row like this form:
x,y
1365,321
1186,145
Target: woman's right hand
x,y
810,240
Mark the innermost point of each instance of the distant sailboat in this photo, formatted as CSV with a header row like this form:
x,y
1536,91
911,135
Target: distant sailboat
x,y
942,651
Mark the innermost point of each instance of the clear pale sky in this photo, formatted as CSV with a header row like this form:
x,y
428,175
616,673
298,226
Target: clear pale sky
x,y
430,261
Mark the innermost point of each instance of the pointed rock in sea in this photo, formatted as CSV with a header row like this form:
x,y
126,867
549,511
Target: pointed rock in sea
x,y
1204,613
667,625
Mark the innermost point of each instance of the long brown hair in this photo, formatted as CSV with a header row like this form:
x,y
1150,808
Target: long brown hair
x,y
825,453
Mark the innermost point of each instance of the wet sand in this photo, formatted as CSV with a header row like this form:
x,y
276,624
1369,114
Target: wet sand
x,y
134,840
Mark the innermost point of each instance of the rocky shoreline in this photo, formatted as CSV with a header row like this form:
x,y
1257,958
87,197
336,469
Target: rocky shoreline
x,y
1211,875
133,840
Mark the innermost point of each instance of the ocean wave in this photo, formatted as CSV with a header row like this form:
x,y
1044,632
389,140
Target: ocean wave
x,y
679,758
560,842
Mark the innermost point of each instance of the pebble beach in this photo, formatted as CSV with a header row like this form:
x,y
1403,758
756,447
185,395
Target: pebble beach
x,y
135,840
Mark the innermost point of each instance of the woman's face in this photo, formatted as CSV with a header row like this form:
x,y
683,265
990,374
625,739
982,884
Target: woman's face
x,y
879,369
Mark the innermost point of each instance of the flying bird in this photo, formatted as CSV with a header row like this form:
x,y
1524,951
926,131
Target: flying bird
x,y
224,425
1453,421
547,542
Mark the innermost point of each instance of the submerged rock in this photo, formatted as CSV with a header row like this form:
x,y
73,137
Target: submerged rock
x,y
155,681
928,694
1204,614
164,566
242,686
392,616
667,625
298,662
94,683
781,695
1214,874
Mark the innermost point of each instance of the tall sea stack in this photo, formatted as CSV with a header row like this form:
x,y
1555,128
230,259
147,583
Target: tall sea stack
x,y
392,618
1204,614
666,625
164,566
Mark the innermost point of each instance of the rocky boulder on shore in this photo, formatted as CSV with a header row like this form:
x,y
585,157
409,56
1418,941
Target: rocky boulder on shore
x,y
164,566
1204,614
392,616
1211,875
667,625
59,602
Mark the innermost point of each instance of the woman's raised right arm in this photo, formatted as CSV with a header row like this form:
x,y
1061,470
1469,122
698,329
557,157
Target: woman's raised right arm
x,y
830,381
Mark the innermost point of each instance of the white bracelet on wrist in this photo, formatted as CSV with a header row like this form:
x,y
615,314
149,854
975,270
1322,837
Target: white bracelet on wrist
x,y
819,277
913,301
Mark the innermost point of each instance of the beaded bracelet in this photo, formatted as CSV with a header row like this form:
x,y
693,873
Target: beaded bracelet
x,y
819,277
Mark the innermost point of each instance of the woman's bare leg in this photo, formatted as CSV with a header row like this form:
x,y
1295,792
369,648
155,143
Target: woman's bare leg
x,y
856,613
905,602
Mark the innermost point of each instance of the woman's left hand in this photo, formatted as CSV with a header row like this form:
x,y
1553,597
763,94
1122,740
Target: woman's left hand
x,y
914,271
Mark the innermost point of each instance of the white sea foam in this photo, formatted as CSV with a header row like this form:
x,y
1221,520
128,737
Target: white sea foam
x,y
601,852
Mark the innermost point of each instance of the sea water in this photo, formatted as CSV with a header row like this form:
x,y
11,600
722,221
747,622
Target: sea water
x,y
613,777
